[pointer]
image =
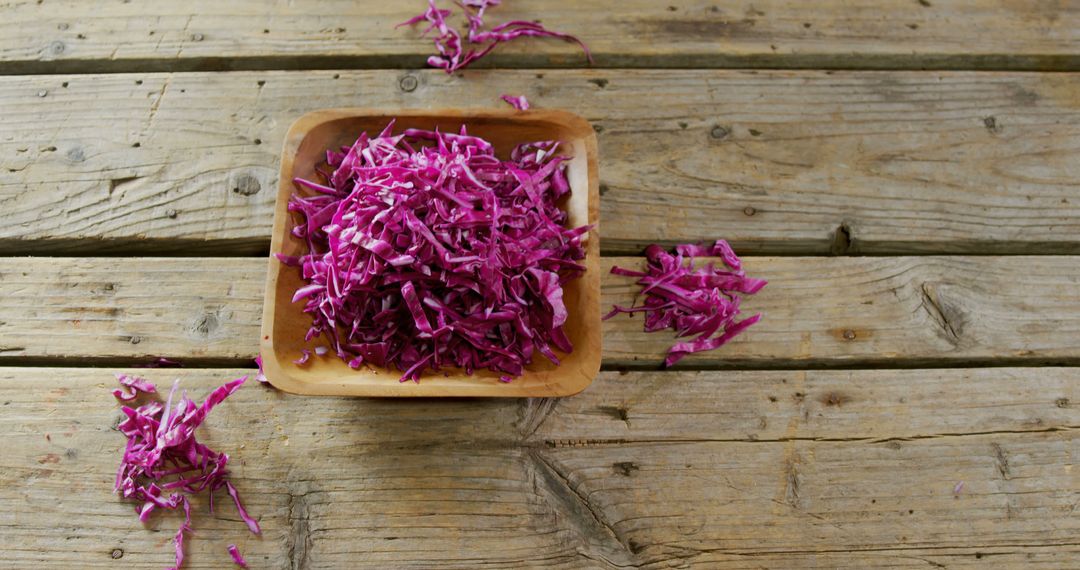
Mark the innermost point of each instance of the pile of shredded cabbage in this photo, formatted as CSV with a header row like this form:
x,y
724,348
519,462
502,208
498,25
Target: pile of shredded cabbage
x,y
163,463
426,250
692,301
453,55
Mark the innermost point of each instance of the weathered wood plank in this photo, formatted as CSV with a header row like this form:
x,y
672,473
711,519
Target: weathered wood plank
x,y
70,35
671,500
850,311
776,162
461,483
1059,557
1020,557
812,405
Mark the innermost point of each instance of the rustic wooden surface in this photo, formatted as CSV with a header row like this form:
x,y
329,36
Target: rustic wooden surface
x,y
139,148
776,162
72,35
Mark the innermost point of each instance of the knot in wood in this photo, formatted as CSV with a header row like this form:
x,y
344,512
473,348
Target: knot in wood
x,y
409,83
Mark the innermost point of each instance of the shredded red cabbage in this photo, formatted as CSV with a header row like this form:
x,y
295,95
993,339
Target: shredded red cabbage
x,y
305,356
452,55
237,558
425,250
692,301
178,540
163,460
520,102
131,387
261,377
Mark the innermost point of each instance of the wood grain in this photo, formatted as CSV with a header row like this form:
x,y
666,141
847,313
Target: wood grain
x,y
74,36
849,311
776,162
852,496
811,405
459,483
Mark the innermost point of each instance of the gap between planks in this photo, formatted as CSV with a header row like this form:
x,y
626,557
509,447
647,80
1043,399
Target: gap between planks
x,y
361,62
256,247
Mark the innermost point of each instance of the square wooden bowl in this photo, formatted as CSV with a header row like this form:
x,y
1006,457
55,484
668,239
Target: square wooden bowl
x,y
284,322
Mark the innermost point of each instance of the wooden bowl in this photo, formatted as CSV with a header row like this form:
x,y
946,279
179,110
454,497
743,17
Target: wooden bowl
x,y
284,322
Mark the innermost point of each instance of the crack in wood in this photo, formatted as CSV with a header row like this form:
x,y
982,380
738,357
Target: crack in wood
x,y
978,551
587,520
928,561
620,413
1002,461
791,489
946,316
843,242
555,443
157,103
299,541
533,413
570,443
605,562
1028,359
118,182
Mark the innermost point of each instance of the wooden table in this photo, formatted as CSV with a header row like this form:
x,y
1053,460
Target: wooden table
x,y
904,173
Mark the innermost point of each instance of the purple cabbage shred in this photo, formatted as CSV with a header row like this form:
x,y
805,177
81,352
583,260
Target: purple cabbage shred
x,y
454,55
520,102
426,250
692,301
237,558
260,376
131,387
305,356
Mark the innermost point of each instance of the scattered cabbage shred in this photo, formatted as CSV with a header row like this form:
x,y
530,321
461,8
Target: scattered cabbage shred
x,y
237,558
453,55
163,463
520,102
260,376
692,301
425,250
